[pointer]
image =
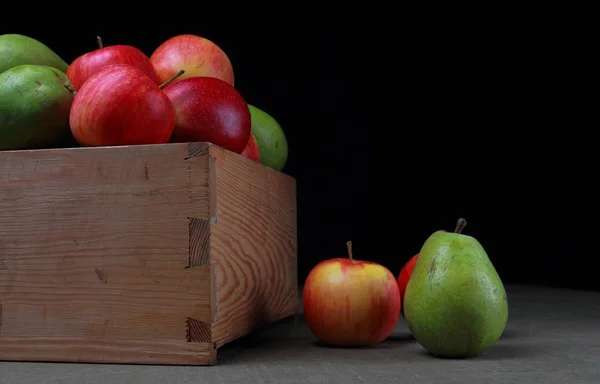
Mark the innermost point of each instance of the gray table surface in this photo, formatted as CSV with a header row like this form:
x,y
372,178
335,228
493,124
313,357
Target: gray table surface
x,y
553,336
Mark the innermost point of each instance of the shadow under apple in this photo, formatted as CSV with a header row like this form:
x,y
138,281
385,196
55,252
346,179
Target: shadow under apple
x,y
404,337
322,344
494,353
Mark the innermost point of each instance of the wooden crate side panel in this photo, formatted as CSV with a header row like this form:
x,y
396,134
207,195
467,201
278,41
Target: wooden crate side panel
x,y
94,248
253,243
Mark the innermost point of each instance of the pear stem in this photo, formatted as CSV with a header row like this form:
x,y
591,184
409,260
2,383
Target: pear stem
x,y
349,246
172,79
460,225
99,41
71,89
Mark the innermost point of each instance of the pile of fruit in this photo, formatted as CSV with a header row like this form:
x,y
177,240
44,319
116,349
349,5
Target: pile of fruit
x,y
450,294
117,95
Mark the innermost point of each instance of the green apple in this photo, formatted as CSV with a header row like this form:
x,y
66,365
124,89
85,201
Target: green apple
x,y
270,137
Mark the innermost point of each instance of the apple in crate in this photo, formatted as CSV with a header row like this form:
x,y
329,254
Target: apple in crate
x,y
350,302
211,110
252,151
121,105
88,64
196,55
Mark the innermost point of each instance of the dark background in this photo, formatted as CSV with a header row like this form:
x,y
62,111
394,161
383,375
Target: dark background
x,y
401,121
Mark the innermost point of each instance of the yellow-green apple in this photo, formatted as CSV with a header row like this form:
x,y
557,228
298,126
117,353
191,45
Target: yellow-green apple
x,y
209,109
349,302
88,64
196,55
121,105
404,276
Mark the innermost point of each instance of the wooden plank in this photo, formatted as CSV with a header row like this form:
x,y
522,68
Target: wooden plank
x,y
109,351
253,243
58,183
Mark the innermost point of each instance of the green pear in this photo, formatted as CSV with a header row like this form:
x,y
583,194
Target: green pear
x,y
17,49
271,140
35,102
455,304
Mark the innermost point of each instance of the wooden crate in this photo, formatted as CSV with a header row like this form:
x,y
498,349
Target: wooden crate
x,y
155,254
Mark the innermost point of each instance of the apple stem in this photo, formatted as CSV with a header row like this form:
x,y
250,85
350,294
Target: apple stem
x,y
460,225
172,79
349,246
71,89
99,41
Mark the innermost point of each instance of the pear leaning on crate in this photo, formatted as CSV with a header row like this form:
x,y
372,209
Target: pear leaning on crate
x,y
455,303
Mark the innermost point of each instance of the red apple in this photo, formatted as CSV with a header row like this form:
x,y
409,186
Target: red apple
x,y
405,274
252,151
199,57
87,65
209,109
349,302
121,105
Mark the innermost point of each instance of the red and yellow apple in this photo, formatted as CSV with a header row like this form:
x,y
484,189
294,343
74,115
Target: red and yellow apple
x,y
405,274
196,55
349,302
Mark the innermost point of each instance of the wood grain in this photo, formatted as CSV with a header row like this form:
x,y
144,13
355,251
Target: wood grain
x,y
254,243
199,242
146,254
